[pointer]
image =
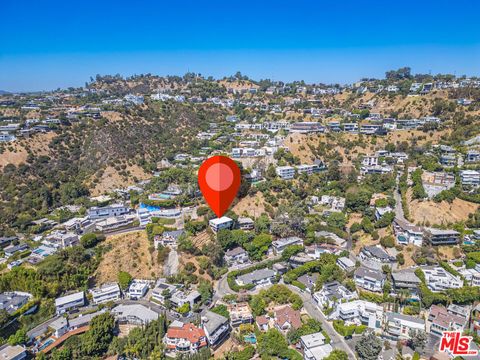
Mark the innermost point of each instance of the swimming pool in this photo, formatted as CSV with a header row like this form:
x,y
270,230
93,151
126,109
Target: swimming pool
x,y
251,338
46,343
149,207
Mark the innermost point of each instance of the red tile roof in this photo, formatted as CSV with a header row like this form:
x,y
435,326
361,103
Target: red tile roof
x,y
288,315
188,332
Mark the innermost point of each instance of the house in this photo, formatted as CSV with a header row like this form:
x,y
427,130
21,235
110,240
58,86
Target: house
x,y
13,301
405,279
107,211
105,293
475,320
380,211
134,314
333,293
346,264
398,325
439,279
334,203
470,178
240,313
61,239
472,276
162,291
262,322
115,222
221,223
286,319
13,249
308,169
138,289
369,279
437,237
66,303
245,223
236,256
299,260
407,233
59,326
216,327
180,298
285,172
314,346
257,278
472,156
359,312
309,281
281,244
15,352
440,320
306,127
375,257
280,268
168,238
184,338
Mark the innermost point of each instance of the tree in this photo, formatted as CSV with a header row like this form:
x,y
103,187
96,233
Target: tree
x,y
88,240
337,220
272,343
97,339
337,355
20,337
184,309
368,347
418,340
124,279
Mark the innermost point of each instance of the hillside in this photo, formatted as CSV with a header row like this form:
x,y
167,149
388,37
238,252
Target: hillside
x,y
90,157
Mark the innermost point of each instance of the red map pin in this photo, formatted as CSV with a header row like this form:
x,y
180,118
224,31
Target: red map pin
x,y
219,180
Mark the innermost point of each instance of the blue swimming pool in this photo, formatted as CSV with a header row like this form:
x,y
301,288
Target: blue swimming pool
x,y
251,338
149,207
46,343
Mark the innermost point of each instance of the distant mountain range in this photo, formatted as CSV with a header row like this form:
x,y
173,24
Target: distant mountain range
x,y
3,92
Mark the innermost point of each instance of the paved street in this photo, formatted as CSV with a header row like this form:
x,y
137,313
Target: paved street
x,y
338,342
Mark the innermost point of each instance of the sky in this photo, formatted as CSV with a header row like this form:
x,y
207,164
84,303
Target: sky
x,y
49,44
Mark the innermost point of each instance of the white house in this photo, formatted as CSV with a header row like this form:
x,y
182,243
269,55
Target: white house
x,y
439,279
257,278
314,346
218,224
236,256
359,312
369,279
333,293
285,172
399,325
107,211
106,292
281,244
68,302
216,327
470,178
138,289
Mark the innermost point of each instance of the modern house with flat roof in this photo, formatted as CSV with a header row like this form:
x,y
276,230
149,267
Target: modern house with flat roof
x,y
398,326
437,237
216,327
285,172
105,293
439,279
218,224
66,303
314,346
134,314
258,278
236,256
346,264
138,289
405,279
96,212
281,244
359,312
368,279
